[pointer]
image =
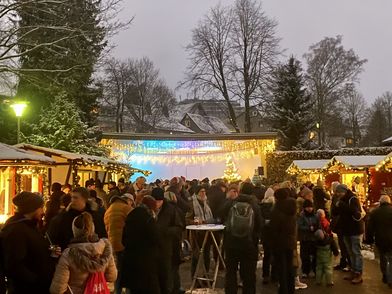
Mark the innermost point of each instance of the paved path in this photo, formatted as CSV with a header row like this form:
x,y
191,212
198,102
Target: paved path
x,y
372,283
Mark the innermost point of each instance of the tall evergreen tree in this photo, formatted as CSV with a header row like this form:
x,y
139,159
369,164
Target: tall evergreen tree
x,y
290,109
74,38
60,126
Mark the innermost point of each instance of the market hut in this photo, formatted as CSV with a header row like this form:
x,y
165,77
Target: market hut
x,y
20,171
357,171
308,170
77,168
382,178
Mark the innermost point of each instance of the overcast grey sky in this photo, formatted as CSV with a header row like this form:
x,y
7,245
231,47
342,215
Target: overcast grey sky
x,y
162,28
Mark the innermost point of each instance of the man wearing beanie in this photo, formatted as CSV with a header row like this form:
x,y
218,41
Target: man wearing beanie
x,y
308,224
349,211
27,262
380,230
169,229
60,228
304,194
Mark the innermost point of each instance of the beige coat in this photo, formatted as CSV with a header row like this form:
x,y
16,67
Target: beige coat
x,y
78,261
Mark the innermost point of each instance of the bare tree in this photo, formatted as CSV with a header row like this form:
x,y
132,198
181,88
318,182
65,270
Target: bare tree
x,y
255,47
210,53
354,109
330,69
386,101
133,87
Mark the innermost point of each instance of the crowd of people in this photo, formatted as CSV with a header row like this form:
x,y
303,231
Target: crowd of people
x,y
133,236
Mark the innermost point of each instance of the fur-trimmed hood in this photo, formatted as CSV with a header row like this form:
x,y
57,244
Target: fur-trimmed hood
x,y
90,257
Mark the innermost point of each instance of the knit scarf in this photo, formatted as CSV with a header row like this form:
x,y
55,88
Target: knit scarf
x,y
202,213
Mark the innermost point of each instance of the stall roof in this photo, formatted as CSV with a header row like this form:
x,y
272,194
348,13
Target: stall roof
x,y
12,155
359,161
316,164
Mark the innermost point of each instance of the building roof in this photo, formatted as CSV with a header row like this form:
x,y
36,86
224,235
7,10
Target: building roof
x,y
11,155
191,137
170,124
317,164
208,124
359,161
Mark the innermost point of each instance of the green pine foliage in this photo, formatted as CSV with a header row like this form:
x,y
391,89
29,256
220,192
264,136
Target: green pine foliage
x,y
290,111
60,126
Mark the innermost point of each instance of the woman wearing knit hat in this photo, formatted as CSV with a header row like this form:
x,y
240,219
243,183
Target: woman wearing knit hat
x,y
87,255
26,253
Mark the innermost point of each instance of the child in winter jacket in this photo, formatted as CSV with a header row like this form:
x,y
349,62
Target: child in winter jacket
x,y
86,255
308,224
326,246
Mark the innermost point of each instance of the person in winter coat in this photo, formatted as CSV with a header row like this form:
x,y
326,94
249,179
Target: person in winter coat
x,y
200,213
85,255
141,240
113,191
336,227
138,186
304,194
53,206
216,195
25,252
241,251
326,246
169,229
380,230
321,197
284,239
266,207
352,227
60,229
308,224
114,220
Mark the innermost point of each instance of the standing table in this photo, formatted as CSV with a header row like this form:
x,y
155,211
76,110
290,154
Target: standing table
x,y
209,230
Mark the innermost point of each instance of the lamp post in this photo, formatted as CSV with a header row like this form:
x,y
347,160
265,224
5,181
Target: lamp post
x,y
318,133
18,108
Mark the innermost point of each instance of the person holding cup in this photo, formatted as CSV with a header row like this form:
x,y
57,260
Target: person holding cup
x,y
199,214
27,259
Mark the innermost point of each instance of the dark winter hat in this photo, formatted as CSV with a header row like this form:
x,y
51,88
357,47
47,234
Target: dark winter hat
x,y
308,203
56,187
199,188
341,188
27,202
158,193
282,194
247,189
150,202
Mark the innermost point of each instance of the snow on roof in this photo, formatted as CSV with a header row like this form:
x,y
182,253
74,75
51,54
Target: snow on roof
x,y
311,164
170,124
11,153
181,109
360,160
209,124
66,154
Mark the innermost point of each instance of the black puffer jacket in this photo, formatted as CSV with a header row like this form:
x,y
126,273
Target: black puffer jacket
x,y
380,227
284,225
27,262
60,228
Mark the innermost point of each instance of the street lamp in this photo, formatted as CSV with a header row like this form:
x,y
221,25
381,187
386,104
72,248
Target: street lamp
x,y
319,133
18,108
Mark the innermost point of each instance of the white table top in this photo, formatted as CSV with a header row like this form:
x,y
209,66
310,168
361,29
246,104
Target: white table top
x,y
206,227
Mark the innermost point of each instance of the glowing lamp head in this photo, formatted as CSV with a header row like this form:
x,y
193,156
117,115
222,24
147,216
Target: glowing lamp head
x,y
18,108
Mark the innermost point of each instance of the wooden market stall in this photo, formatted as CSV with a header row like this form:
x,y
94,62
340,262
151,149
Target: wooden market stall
x,y
357,171
76,168
308,170
20,171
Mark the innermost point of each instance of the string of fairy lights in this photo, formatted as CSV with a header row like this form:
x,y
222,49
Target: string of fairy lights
x,y
186,152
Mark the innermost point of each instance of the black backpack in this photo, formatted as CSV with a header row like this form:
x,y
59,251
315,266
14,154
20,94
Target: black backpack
x,y
240,222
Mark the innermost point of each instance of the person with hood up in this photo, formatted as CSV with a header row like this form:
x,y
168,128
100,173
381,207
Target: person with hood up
x,y
380,230
352,227
241,239
284,239
25,252
114,220
266,207
60,228
85,255
308,224
141,241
